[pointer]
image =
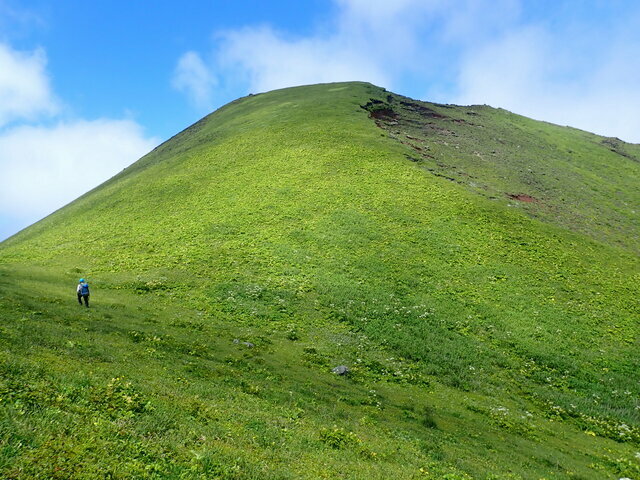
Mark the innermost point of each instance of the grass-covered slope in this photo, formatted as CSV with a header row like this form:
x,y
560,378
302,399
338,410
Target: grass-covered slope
x,y
477,271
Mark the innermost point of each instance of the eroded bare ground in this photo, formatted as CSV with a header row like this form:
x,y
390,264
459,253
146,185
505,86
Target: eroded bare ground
x,y
426,131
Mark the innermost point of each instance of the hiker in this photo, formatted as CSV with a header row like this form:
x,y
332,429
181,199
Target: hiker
x,y
83,292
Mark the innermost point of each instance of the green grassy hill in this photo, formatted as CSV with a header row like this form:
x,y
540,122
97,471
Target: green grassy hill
x,y
477,272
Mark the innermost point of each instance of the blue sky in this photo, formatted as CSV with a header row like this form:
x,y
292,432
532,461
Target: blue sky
x,y
86,88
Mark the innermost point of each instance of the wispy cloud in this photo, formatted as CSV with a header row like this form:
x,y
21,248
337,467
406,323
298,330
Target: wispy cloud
x,y
366,41
265,60
192,77
560,76
578,69
25,91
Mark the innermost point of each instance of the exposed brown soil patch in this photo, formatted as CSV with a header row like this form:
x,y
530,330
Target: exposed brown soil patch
x,y
379,110
523,197
383,114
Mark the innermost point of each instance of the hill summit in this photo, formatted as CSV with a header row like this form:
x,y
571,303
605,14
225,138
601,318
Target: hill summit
x,y
475,271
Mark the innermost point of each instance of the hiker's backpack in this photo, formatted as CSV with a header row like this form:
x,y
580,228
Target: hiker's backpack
x,y
84,289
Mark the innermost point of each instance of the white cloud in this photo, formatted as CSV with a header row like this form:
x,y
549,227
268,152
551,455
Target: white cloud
x,y
543,74
371,40
509,72
400,24
25,92
194,78
368,40
43,168
266,61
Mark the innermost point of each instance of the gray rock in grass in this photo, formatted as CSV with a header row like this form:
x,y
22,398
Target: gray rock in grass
x,y
340,370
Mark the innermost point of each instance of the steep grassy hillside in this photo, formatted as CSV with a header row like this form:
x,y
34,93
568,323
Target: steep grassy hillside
x,y
477,272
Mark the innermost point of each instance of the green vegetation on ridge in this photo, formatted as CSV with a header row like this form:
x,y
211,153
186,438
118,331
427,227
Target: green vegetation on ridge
x,y
486,336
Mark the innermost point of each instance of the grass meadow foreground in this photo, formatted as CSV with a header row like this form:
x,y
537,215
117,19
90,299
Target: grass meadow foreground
x,y
476,271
